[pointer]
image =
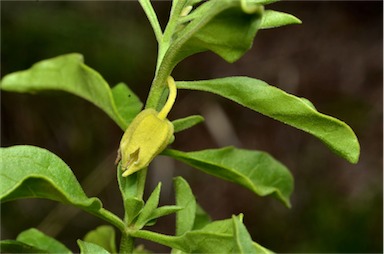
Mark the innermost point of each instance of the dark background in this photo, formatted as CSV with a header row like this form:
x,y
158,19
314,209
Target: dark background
x,y
334,59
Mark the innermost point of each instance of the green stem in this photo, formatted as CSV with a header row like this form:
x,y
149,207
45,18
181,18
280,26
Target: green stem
x,y
151,14
167,240
126,243
167,57
111,218
159,85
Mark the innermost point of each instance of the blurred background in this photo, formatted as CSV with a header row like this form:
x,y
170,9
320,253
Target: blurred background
x,y
335,59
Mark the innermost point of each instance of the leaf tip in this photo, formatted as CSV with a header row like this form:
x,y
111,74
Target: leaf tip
x,y
354,155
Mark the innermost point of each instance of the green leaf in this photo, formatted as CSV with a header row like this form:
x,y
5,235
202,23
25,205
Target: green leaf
x,y
13,246
149,207
38,239
104,236
261,249
192,216
186,123
33,172
150,212
127,103
225,27
219,233
254,170
243,241
289,109
162,211
131,193
265,2
151,14
46,174
90,248
216,237
201,218
273,19
133,207
128,185
69,73
308,102
185,218
165,210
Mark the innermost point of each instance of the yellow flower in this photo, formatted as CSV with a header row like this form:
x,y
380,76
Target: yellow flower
x,y
147,135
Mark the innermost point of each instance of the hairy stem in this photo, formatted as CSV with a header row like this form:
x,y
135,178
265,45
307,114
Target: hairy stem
x,y
159,85
126,243
111,218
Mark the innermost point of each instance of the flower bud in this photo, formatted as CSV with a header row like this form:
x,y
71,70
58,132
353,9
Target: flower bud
x,y
148,135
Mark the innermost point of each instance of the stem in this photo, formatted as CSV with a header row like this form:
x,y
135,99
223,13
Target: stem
x,y
151,14
168,51
167,240
111,218
163,71
126,243
159,84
